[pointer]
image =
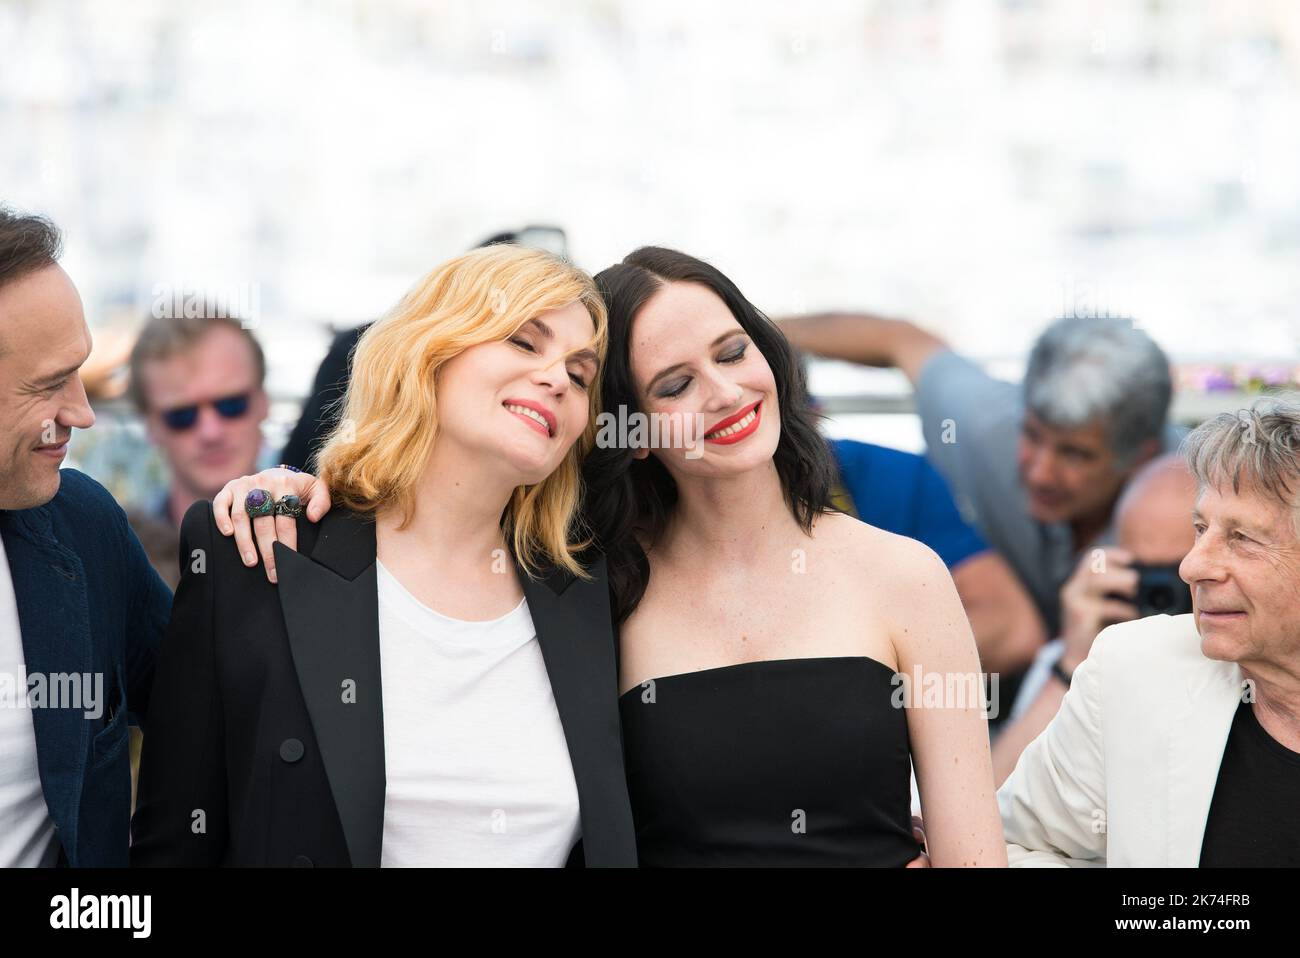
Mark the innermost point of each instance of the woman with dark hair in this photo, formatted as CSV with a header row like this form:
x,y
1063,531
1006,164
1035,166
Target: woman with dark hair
x,y
763,635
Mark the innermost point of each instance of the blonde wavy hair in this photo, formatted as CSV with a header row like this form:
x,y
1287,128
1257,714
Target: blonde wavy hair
x,y
378,451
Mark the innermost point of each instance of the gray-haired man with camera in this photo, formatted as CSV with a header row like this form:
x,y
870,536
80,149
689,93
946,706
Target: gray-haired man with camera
x,y
1178,743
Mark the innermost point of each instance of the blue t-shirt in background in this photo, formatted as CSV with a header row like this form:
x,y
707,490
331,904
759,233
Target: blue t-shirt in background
x,y
902,493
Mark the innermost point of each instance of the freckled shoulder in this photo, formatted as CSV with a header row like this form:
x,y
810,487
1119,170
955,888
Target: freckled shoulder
x,y
897,584
877,549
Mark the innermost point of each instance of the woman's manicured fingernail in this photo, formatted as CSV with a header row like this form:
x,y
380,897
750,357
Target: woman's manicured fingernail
x,y
271,575
249,558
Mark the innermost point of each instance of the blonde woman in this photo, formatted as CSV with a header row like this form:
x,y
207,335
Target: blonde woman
x,y
433,680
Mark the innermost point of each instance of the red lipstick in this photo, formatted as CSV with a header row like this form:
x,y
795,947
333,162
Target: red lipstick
x,y
739,434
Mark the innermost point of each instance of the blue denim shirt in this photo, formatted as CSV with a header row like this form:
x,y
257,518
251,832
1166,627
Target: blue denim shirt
x,y
89,605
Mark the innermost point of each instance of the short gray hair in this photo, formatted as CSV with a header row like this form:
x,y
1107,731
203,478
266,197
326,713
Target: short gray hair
x,y
1259,447
1088,368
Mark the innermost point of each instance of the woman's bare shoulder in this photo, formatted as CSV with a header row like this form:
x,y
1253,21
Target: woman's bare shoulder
x,y
903,580
883,549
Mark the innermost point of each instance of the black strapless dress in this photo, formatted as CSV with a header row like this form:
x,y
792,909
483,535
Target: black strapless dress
x,y
784,762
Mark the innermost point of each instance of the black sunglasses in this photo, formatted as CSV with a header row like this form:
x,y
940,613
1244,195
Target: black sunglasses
x,y
184,417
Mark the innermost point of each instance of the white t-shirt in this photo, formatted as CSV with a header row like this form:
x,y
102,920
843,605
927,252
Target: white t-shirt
x,y
27,837
477,765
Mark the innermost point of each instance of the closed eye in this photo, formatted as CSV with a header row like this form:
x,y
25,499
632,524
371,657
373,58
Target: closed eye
x,y
528,347
736,356
732,357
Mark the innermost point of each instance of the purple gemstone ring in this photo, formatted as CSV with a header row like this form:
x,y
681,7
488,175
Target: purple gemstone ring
x,y
258,503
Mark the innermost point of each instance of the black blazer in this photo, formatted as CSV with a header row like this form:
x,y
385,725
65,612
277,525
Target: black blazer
x,y
256,753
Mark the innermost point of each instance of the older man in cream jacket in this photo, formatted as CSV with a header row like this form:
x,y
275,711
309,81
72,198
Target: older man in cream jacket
x,y
1178,743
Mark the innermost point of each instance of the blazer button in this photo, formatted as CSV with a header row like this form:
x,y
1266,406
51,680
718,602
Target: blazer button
x,y
291,750
302,861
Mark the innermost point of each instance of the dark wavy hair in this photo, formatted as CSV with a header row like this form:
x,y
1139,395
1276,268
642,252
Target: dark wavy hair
x,y
626,495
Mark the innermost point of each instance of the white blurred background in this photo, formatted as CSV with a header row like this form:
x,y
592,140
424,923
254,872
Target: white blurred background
x,y
981,166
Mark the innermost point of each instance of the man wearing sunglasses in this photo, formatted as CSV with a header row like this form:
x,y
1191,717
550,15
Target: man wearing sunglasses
x,y
197,381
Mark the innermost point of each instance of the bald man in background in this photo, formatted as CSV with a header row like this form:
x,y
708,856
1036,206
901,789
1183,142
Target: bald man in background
x,y
1154,527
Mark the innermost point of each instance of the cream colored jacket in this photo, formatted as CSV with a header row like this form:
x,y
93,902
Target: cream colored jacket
x,y
1125,772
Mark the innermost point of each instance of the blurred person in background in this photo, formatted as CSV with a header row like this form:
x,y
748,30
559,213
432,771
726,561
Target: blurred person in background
x,y
1038,467
198,382
1178,743
1154,522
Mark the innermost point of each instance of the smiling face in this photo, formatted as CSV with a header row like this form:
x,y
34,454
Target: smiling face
x,y
43,343
689,355
525,400
1244,570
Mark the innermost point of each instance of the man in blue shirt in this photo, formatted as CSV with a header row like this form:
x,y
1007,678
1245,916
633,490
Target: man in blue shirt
x,y
81,611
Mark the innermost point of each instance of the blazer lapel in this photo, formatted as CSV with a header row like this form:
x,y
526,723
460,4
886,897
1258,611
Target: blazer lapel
x,y
576,635
1198,735
331,611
